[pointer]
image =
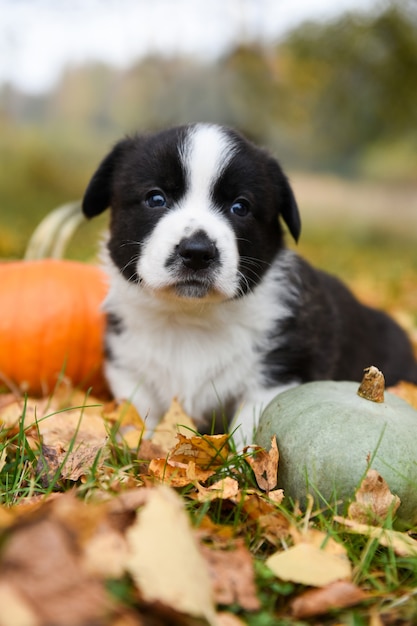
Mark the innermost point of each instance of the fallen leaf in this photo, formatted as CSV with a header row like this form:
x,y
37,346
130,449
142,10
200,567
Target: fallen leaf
x,y
129,425
276,496
401,543
220,535
148,451
6,516
228,619
165,561
264,464
208,451
54,463
374,501
307,564
337,595
224,489
73,427
174,421
232,576
40,561
31,409
15,610
105,554
319,539
178,474
5,400
57,427
79,462
273,525
406,391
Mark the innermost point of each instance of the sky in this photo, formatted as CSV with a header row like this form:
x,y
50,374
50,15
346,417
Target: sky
x,y
39,38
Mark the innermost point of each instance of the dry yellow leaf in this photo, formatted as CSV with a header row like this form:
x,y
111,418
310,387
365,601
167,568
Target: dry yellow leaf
x,y
165,561
224,489
319,539
15,610
174,421
75,426
276,496
130,426
178,474
32,410
208,451
105,555
401,543
307,564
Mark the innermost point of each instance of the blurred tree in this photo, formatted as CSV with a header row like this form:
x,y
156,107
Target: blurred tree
x,y
356,79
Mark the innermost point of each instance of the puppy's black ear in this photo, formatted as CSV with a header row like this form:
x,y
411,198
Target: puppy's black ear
x,y
289,211
286,202
98,194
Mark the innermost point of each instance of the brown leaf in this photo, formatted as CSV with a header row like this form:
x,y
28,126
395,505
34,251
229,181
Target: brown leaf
x,y
264,464
54,463
373,500
232,576
207,451
406,391
174,421
273,525
40,562
149,450
79,462
337,595
165,561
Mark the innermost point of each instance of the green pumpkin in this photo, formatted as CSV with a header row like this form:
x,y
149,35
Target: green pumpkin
x,y
328,436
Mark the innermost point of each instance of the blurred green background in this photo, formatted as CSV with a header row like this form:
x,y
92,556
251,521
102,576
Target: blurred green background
x,y
334,100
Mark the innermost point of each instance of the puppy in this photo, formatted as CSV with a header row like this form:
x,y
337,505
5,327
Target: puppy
x,y
206,303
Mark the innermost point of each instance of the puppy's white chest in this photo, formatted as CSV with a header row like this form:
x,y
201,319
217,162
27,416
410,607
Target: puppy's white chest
x,y
204,364
209,356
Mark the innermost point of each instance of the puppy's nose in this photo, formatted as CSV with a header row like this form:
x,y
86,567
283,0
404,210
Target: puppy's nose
x,y
197,252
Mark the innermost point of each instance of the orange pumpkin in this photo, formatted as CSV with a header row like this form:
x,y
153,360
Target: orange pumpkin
x,y
51,324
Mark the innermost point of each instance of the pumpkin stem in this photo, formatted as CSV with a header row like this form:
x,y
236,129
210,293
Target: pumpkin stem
x,y
373,385
51,236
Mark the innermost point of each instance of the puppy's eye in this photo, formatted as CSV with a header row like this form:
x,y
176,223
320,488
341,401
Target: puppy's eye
x,y
155,200
240,207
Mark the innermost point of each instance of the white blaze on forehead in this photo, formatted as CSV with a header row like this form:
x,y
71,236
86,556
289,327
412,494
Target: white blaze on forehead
x,y
206,153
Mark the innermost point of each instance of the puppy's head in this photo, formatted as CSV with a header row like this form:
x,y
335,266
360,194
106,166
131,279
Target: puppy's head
x,y
194,211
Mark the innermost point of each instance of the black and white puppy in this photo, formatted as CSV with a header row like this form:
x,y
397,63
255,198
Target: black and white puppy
x,y
206,303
